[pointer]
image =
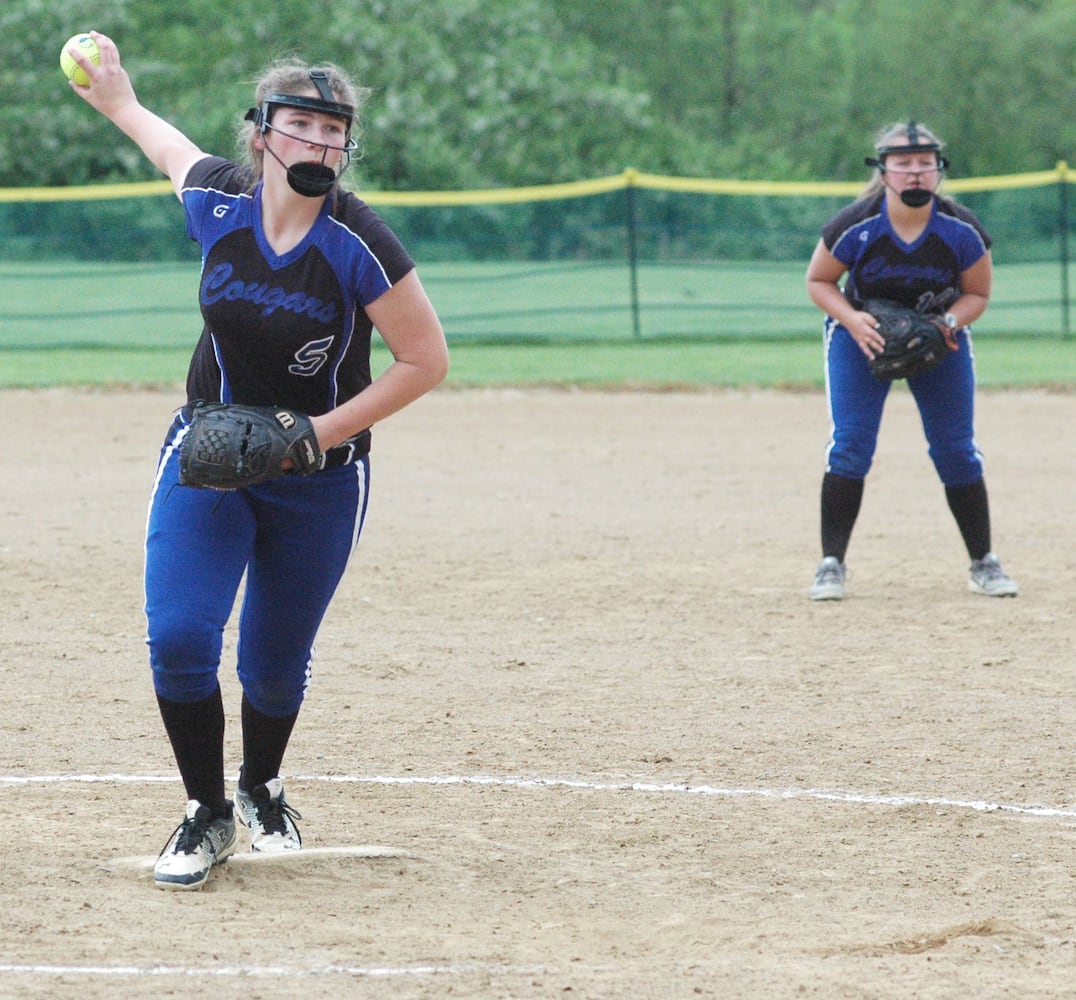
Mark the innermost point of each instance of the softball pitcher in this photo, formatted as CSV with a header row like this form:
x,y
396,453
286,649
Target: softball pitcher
x,y
295,275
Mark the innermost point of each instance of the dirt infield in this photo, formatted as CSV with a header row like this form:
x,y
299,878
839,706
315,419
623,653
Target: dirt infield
x,y
575,729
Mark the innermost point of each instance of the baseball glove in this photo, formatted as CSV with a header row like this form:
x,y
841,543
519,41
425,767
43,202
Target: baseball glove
x,y
914,341
228,446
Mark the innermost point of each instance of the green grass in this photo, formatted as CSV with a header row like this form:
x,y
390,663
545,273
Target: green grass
x,y
1001,362
711,325
770,363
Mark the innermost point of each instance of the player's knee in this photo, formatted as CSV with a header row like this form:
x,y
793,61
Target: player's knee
x,y
188,687
851,453
850,463
191,682
276,696
957,467
184,658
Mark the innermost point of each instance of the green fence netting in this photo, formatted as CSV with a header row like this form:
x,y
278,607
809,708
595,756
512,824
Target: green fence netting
x,y
633,256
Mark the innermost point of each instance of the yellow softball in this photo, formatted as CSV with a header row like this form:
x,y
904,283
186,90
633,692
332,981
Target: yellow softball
x,y
72,70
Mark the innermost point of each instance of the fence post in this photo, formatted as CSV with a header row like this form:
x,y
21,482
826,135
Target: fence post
x,y
631,222
1063,247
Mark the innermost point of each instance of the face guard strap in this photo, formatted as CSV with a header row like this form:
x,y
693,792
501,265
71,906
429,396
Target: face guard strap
x,y
261,116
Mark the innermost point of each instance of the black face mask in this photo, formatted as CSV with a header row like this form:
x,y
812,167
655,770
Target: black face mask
x,y
915,197
311,180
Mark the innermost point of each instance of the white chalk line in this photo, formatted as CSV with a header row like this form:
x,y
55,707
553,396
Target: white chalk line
x,y
669,788
281,971
504,781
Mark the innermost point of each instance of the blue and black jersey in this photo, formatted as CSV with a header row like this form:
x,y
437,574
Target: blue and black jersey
x,y
288,330
923,275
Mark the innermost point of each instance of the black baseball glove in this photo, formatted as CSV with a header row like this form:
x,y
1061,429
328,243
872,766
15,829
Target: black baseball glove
x,y
914,341
228,446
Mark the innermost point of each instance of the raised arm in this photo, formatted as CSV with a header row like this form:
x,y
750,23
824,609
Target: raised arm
x,y
110,92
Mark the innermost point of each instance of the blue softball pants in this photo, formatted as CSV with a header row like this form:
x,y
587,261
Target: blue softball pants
x,y
945,396
292,537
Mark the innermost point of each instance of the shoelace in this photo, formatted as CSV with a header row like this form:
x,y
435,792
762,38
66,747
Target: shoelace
x,y
829,574
990,570
191,835
271,813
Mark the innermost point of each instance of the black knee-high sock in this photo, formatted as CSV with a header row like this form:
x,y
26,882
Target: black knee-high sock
x,y
264,741
196,731
971,508
841,500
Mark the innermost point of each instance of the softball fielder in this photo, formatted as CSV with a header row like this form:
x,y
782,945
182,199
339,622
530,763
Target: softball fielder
x,y
904,242
295,275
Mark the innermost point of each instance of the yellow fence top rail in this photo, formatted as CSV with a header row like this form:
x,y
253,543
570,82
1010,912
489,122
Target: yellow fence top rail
x,y
629,178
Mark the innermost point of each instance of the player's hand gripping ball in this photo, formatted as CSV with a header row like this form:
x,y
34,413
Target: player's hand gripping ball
x,y
72,70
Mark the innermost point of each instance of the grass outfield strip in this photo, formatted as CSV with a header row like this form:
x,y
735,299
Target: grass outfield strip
x,y
1000,362
711,324
154,306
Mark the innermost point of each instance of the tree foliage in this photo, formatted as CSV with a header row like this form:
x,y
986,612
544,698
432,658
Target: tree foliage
x,y
485,93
